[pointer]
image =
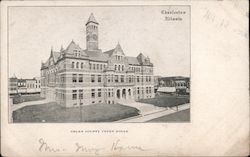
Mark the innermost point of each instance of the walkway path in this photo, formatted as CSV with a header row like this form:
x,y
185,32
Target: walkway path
x,y
142,107
148,117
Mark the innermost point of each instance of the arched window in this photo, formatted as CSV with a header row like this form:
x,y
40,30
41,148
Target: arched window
x,y
115,67
122,67
77,65
81,65
73,65
119,67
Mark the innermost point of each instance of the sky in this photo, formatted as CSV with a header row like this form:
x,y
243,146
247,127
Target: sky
x,y
143,29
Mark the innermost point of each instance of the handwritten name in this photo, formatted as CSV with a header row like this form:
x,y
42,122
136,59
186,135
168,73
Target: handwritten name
x,y
44,147
117,146
81,148
77,148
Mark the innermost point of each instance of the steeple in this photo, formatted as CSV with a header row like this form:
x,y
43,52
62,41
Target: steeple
x,y
92,33
92,19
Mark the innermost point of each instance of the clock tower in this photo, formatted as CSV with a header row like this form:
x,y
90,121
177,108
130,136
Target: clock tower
x,y
92,33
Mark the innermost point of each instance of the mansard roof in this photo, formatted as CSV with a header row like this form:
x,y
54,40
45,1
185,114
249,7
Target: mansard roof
x,y
141,58
109,52
97,56
132,60
91,19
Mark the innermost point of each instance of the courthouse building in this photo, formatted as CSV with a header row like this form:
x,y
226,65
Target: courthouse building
x,y
76,76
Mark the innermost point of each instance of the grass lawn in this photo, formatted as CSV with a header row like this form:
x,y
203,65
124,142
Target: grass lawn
x,y
166,100
25,98
52,112
182,116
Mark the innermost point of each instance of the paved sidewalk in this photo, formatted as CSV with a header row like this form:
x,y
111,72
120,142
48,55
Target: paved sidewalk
x,y
148,117
143,108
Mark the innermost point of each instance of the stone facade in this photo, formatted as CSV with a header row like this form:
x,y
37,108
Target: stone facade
x,y
74,76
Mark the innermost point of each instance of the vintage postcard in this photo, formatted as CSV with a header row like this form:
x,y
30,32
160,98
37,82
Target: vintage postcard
x,y
124,78
99,64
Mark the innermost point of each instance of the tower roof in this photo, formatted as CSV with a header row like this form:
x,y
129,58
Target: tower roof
x,y
91,19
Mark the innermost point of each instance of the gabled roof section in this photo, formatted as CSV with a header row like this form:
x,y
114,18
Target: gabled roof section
x,y
92,19
118,49
53,54
74,47
115,51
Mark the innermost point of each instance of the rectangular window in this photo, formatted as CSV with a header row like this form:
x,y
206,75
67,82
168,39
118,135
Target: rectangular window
x,y
92,78
80,79
138,90
80,94
94,66
74,94
99,78
97,67
90,66
138,79
101,67
116,78
109,94
93,93
122,78
129,79
108,78
99,92
74,78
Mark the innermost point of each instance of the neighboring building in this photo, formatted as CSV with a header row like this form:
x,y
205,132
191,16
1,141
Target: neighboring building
x,y
31,85
24,86
38,84
75,76
13,85
177,84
